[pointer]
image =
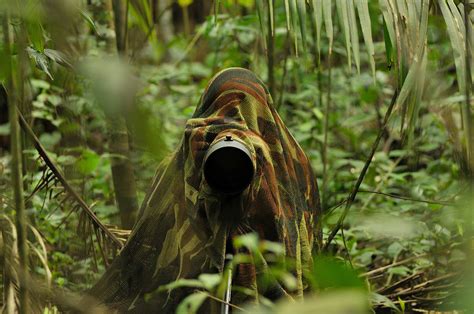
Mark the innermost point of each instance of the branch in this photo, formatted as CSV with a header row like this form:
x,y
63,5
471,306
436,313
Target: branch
x,y
57,173
409,199
363,172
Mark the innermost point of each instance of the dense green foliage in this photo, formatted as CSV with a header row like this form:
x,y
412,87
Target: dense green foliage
x,y
413,204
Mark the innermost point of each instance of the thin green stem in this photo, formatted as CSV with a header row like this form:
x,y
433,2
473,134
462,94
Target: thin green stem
x,y
14,99
353,194
325,141
270,50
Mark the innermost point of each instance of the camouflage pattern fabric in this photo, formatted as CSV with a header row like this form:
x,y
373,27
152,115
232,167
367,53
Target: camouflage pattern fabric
x,y
184,227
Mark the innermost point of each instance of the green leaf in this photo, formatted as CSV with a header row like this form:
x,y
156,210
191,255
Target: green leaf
x,y
378,299
317,16
388,46
88,161
190,283
210,281
354,33
4,129
89,21
328,272
249,240
191,303
42,62
365,24
341,6
185,3
247,3
57,57
301,7
328,22
399,270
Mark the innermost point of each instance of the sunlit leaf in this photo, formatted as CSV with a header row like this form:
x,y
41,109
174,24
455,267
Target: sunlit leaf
x,y
331,273
191,303
185,3
41,60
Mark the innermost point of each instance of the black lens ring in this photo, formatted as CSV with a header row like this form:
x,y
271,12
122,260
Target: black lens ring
x,y
213,170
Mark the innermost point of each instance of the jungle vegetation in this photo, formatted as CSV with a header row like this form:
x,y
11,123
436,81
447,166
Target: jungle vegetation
x,y
94,95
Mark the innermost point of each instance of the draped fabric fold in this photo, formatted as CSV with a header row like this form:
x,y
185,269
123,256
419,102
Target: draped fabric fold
x,y
184,227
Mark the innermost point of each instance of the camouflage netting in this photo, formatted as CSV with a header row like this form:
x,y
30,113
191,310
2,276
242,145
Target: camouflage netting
x,y
183,227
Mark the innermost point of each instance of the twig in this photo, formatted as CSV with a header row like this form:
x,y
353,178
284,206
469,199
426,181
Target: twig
x,y
409,199
285,70
383,268
397,284
57,173
422,286
222,301
363,172
325,140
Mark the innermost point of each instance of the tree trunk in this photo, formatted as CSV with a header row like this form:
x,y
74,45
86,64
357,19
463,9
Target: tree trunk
x,y
14,99
122,168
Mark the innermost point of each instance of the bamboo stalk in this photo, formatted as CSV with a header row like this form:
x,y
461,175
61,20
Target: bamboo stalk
x,y
270,50
16,157
122,169
326,133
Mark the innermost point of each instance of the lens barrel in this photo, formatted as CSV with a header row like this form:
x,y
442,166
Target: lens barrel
x,y
228,166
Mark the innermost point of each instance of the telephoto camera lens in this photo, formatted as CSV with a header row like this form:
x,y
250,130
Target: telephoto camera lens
x,y
228,166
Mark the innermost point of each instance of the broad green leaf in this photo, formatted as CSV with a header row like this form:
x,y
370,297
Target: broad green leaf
x,y
210,281
35,34
191,303
88,162
328,272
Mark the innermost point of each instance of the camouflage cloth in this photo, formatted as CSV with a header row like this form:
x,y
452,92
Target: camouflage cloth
x,y
184,227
